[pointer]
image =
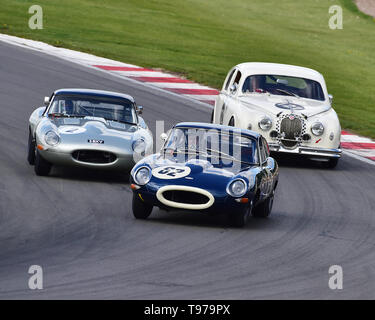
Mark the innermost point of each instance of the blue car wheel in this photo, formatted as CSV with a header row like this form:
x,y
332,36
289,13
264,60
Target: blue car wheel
x,y
264,209
141,210
239,219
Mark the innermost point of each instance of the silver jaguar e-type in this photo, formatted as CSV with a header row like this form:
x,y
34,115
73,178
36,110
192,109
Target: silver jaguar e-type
x,y
87,128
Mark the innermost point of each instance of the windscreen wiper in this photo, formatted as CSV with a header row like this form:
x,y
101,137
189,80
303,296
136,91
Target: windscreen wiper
x,y
190,150
58,115
122,121
288,92
65,115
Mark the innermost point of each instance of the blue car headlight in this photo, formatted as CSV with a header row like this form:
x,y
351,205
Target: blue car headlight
x,y
237,188
142,176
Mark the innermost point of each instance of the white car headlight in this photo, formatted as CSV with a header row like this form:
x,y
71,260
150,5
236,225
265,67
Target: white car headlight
x,y
317,128
139,146
237,188
265,123
52,138
142,176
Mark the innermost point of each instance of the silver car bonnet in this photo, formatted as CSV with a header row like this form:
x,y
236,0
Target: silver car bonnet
x,y
94,131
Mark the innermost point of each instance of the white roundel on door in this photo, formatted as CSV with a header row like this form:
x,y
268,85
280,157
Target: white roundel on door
x,y
171,172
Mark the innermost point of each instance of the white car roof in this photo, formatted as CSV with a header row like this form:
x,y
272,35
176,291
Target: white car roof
x,y
250,68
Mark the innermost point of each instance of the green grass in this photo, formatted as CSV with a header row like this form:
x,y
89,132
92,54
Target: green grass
x,y
204,39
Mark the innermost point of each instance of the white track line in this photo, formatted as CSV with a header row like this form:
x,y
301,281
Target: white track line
x,y
83,59
179,85
354,138
139,73
349,153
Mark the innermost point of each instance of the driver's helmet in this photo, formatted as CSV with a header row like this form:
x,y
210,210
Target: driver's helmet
x,y
69,106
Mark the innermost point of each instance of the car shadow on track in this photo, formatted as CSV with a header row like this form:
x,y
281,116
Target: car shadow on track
x,y
201,220
296,161
89,175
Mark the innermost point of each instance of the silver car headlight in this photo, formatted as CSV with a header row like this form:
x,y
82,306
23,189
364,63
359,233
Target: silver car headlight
x,y
52,138
317,128
237,188
265,123
142,176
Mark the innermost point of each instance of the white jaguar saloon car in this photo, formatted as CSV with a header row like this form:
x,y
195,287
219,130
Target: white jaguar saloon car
x,y
289,105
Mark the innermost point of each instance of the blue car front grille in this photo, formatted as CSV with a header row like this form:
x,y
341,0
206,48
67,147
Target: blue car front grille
x,y
185,197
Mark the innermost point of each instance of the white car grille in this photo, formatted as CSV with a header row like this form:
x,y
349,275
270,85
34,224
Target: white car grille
x,y
290,127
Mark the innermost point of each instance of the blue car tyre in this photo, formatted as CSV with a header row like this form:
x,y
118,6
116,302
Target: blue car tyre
x,y
141,210
240,219
263,210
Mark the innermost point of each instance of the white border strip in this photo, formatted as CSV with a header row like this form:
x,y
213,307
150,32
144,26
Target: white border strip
x,y
88,60
355,156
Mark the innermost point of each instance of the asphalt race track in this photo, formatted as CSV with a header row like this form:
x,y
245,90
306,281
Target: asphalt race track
x,y
79,227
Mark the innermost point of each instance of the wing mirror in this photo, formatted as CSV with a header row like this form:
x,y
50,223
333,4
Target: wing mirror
x,y
163,136
46,101
139,109
233,88
330,97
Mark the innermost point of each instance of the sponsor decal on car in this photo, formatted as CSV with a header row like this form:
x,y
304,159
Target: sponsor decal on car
x,y
289,105
95,141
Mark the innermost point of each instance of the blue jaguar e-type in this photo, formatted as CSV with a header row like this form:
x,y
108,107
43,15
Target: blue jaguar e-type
x,y
209,168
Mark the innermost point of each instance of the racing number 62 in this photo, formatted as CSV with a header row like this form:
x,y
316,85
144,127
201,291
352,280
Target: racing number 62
x,y
171,171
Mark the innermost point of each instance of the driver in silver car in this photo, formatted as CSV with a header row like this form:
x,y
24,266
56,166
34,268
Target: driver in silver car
x,y
69,107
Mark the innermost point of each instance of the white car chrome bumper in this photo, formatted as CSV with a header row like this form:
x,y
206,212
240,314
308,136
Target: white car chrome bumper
x,y
319,152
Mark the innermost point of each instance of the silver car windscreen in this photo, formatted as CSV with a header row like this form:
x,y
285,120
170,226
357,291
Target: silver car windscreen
x,y
115,109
